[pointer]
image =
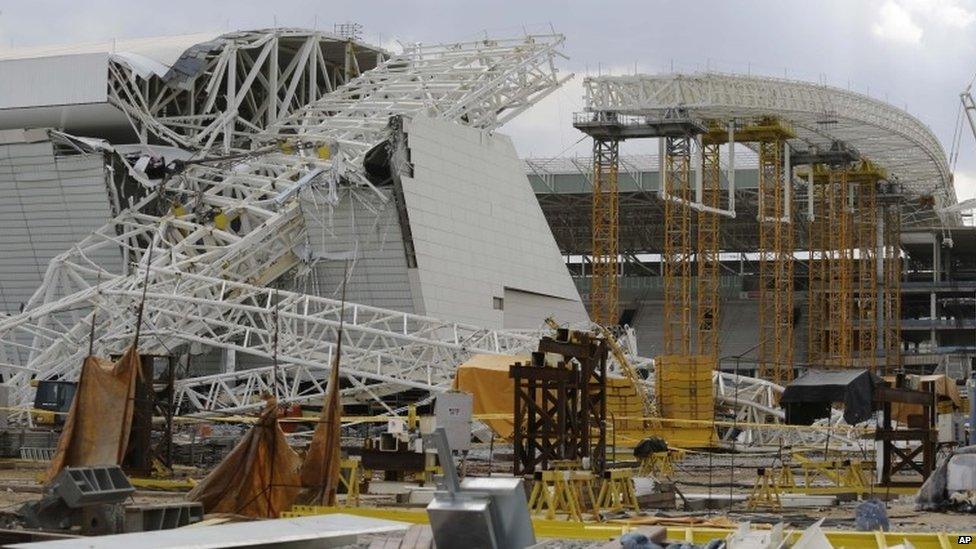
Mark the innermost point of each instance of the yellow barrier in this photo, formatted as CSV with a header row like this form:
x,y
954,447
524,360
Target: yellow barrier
x,y
555,529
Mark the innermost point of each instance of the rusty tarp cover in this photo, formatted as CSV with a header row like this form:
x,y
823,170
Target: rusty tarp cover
x,y
320,470
258,478
96,431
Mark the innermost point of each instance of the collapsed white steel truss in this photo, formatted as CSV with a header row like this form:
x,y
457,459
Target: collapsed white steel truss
x,y
225,91
201,249
237,220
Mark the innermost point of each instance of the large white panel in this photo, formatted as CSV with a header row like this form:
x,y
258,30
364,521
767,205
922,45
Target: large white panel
x,y
48,81
478,228
364,229
526,310
47,204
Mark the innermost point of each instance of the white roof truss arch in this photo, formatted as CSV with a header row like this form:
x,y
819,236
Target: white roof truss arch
x,y
888,136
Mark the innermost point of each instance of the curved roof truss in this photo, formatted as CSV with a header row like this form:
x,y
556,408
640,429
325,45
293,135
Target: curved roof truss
x,y
889,136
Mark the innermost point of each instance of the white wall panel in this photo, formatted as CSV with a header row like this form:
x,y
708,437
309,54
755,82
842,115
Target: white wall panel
x,y
47,203
374,241
478,228
526,310
59,80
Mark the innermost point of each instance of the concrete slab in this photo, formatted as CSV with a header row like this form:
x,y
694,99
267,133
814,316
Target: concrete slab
x,y
291,533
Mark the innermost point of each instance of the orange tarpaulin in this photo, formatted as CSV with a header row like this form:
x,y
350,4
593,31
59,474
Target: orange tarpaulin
x,y
96,431
258,478
486,378
320,470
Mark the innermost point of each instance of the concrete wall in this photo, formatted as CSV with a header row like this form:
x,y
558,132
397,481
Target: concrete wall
x,y
478,229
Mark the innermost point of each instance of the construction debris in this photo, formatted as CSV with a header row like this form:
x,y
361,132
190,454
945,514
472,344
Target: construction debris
x,y
952,485
259,161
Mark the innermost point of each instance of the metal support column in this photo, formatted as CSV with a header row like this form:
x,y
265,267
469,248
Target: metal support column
x,y
677,245
604,257
892,288
708,292
817,271
867,280
841,266
775,264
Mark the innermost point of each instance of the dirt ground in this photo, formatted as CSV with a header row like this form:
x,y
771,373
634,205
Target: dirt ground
x,y
696,475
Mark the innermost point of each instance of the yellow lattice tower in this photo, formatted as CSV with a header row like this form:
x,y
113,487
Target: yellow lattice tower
x,y
892,288
775,351
865,183
605,231
677,246
709,262
840,271
817,277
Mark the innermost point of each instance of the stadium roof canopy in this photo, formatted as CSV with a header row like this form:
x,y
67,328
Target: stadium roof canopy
x,y
890,137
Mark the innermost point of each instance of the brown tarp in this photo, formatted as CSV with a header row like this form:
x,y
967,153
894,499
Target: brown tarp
x,y
258,478
96,431
320,470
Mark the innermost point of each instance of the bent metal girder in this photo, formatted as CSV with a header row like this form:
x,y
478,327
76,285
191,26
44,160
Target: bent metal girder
x,y
174,229
223,91
379,346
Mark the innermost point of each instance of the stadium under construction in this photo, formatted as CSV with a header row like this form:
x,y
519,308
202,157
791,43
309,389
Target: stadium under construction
x,y
285,274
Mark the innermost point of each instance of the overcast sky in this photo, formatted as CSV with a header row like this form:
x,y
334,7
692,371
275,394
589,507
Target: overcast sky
x,y
917,54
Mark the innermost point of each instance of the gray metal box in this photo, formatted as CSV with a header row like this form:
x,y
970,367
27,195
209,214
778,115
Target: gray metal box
x,y
81,486
462,522
453,412
510,510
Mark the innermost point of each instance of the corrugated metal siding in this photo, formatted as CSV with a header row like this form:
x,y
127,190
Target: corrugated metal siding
x,y
47,204
63,80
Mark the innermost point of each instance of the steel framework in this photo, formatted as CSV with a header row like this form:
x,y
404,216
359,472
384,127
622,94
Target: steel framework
x,y
707,291
677,258
891,217
840,223
214,236
604,300
817,273
893,139
775,351
867,275
202,249
224,91
846,266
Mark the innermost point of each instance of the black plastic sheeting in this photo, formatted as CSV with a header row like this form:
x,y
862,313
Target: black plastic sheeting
x,y
808,397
